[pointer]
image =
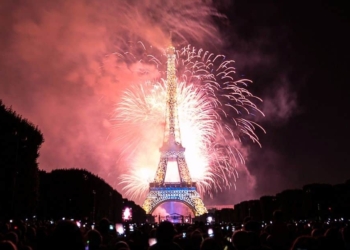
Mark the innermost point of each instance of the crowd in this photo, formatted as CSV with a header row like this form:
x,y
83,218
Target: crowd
x,y
252,235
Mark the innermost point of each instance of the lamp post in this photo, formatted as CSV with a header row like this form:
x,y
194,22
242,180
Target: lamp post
x,y
13,205
94,207
110,206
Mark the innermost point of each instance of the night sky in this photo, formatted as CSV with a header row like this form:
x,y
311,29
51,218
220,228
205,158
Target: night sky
x,y
296,53
300,50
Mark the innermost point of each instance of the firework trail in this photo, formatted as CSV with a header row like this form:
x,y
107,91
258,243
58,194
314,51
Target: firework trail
x,y
215,112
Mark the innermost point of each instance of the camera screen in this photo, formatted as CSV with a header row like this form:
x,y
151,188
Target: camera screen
x,y
152,241
210,232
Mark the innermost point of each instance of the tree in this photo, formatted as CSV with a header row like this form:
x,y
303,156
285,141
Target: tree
x,y
79,194
20,141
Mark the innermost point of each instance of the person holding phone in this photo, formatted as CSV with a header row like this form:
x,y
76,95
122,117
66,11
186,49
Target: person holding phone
x,y
164,237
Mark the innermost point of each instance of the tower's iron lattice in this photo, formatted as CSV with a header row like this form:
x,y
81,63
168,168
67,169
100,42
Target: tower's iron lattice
x,y
184,191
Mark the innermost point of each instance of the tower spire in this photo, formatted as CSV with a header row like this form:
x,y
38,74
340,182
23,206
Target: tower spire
x,y
171,93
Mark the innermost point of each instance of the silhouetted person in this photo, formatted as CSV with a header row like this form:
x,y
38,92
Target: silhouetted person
x,y
121,245
136,241
334,239
247,219
240,240
7,245
254,240
103,228
195,240
279,232
263,238
317,232
164,235
305,242
12,236
210,244
252,226
219,237
66,236
94,238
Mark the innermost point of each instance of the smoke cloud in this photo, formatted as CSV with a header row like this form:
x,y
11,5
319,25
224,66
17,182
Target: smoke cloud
x,y
60,69
280,104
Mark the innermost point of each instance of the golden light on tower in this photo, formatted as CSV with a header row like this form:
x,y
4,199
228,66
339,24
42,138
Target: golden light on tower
x,y
172,151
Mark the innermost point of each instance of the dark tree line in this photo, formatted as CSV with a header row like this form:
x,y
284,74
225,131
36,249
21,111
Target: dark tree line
x,y
312,202
78,194
19,146
25,191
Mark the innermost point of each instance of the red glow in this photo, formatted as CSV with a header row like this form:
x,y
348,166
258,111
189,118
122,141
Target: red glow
x,y
62,72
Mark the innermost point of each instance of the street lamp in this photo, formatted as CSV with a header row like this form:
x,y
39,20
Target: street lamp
x,y
94,206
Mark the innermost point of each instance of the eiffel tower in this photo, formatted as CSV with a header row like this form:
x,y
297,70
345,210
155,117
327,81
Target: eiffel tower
x,y
161,191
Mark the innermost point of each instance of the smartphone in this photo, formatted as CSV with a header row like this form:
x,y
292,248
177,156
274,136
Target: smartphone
x,y
211,232
184,235
119,228
111,227
233,228
152,241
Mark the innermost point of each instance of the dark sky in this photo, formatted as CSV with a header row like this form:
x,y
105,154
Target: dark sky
x,y
304,48
55,72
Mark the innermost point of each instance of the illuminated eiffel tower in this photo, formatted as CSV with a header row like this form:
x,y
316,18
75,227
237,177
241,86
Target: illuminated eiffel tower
x,y
161,191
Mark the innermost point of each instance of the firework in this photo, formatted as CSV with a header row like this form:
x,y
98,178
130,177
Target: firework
x,y
215,111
